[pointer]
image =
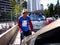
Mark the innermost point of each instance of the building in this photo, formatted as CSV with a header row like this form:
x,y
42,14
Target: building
x,y
5,6
29,5
33,5
38,4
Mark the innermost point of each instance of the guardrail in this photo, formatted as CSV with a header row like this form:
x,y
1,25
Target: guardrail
x,y
6,36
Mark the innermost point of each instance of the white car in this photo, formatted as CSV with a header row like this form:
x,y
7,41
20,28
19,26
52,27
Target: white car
x,y
38,21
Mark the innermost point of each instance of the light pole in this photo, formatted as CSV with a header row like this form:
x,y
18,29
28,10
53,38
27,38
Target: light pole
x,y
11,15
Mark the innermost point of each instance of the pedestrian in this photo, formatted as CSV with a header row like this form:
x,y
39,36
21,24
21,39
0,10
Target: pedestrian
x,y
23,24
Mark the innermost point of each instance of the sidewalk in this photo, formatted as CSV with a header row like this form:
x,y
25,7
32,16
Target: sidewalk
x,y
17,40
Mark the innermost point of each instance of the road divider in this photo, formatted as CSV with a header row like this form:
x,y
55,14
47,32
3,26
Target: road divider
x,y
6,36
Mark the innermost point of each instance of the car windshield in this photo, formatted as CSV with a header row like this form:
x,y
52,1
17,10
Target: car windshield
x,y
36,17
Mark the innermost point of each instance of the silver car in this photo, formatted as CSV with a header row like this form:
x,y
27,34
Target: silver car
x,y
38,21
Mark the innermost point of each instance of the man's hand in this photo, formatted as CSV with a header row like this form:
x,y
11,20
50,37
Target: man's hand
x,y
33,32
21,31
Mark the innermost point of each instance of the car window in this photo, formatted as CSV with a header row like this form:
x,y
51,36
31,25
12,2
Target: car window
x,y
36,17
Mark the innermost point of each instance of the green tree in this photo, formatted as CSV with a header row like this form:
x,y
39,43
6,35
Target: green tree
x,y
57,9
16,8
24,5
47,13
13,3
51,11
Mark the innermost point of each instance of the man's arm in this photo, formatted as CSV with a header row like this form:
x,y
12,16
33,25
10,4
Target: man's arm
x,y
31,26
19,27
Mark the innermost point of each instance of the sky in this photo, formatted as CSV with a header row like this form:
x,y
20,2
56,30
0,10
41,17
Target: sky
x,y
45,2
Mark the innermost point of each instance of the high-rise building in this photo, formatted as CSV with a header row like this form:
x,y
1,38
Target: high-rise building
x,y
29,5
5,6
33,5
38,4
41,7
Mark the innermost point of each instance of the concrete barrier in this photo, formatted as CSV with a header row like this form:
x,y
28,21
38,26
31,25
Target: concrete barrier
x,y
6,36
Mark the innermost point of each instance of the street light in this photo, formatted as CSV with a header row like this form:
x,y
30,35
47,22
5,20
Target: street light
x,y
11,15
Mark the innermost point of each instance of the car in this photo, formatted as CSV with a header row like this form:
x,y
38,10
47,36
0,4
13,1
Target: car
x,y
49,35
49,20
38,21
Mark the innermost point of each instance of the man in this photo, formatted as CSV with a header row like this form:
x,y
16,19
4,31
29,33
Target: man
x,y
23,24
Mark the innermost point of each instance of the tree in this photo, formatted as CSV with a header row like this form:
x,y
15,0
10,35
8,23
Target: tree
x,y
47,12
16,8
13,3
51,11
24,5
57,9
